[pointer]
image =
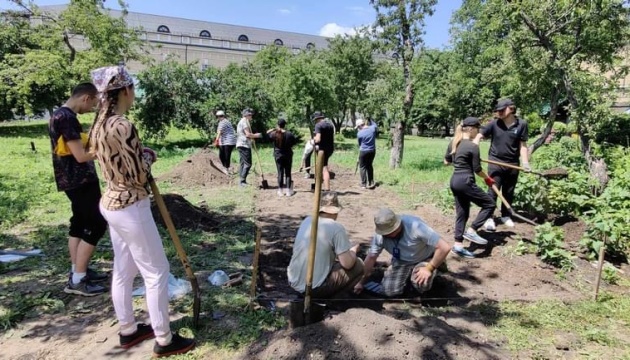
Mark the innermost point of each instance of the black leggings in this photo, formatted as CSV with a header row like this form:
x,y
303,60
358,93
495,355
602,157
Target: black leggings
x,y
225,153
86,222
283,164
366,158
466,191
505,180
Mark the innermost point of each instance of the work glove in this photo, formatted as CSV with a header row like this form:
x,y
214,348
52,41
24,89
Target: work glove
x,y
489,181
527,167
149,155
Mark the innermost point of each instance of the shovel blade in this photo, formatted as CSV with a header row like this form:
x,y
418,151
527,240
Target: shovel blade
x,y
297,316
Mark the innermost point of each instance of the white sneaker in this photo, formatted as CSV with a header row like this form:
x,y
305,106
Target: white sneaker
x,y
280,192
507,221
489,225
289,192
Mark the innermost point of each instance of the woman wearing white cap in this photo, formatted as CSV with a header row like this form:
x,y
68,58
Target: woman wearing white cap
x,y
126,167
226,139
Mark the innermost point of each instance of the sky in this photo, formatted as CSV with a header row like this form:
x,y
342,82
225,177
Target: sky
x,y
321,17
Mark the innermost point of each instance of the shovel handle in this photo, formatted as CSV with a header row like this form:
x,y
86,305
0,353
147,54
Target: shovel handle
x,y
319,164
507,205
520,168
166,216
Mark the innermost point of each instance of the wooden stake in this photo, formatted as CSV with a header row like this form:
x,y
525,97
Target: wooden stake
x,y
600,266
313,244
252,288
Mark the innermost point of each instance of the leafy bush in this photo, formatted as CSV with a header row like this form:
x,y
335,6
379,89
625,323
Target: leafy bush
x,y
615,130
611,210
549,246
535,124
560,129
610,274
349,133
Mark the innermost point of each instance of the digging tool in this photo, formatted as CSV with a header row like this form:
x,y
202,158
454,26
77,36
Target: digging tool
x,y
219,168
252,289
559,173
299,171
356,168
159,200
507,205
264,184
306,312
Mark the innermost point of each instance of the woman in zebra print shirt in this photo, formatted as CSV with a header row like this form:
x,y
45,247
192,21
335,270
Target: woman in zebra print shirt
x,y
125,204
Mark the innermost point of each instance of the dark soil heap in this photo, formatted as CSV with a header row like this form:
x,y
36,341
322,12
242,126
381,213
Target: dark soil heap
x,y
197,170
186,215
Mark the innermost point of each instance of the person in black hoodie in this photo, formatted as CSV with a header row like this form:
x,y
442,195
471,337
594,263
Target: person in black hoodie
x,y
463,153
283,142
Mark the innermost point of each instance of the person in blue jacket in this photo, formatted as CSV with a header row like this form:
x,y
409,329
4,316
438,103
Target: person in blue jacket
x,y
366,137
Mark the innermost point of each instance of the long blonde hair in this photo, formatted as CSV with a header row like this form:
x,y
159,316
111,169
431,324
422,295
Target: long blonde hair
x,y
459,136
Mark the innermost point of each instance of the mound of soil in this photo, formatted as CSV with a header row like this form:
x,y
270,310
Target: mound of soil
x,y
186,215
365,334
197,170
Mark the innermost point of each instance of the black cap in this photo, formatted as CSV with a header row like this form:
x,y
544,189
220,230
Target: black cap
x,y
502,104
317,115
471,121
282,123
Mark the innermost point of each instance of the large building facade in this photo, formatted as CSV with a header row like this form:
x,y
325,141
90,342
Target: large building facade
x,y
203,42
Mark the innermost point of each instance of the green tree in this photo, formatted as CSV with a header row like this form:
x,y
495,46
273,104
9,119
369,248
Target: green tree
x,y
399,28
174,94
550,49
41,63
352,66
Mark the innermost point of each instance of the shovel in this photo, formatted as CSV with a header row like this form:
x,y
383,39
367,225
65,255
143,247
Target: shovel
x,y
512,212
556,173
159,200
304,313
264,183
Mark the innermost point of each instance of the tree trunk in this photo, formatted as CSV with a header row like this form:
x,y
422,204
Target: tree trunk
x,y
597,166
552,118
398,144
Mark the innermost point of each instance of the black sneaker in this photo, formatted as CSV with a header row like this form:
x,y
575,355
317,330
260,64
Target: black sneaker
x,y
96,276
143,332
84,288
178,345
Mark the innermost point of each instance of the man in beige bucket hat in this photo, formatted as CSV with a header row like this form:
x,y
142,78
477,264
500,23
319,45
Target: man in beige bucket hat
x,y
337,268
416,251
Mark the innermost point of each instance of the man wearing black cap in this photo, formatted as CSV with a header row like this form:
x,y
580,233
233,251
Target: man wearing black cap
x,y
325,139
508,144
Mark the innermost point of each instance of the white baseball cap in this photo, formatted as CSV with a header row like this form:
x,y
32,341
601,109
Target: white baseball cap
x,y
220,113
359,123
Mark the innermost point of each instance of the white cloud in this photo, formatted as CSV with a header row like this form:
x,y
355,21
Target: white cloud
x,y
332,29
284,11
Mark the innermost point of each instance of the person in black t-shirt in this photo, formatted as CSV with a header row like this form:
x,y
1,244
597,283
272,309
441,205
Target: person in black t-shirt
x,y
75,174
463,153
325,140
283,142
509,136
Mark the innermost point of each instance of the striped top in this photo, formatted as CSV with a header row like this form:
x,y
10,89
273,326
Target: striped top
x,y
228,136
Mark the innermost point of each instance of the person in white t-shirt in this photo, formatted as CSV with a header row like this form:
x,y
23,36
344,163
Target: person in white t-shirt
x,y
244,136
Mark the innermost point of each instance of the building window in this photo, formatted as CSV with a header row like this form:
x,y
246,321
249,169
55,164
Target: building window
x,y
163,29
310,46
395,56
243,38
278,42
205,33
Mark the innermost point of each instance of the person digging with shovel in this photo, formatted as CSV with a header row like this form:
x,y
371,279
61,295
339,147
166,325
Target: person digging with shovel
x,y
508,134
324,140
417,251
283,142
244,138
126,167
464,155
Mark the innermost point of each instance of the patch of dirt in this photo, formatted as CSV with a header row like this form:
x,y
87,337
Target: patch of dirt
x,y
197,170
188,216
365,334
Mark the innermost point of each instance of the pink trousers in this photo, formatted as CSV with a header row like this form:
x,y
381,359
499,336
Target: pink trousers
x,y
138,247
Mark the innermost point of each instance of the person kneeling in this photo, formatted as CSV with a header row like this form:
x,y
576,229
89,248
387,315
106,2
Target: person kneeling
x,y
330,277
416,251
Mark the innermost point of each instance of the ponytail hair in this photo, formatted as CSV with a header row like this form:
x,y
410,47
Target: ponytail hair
x,y
278,138
459,134
106,110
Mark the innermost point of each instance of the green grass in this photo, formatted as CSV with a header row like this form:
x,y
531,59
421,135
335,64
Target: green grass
x,y
34,214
